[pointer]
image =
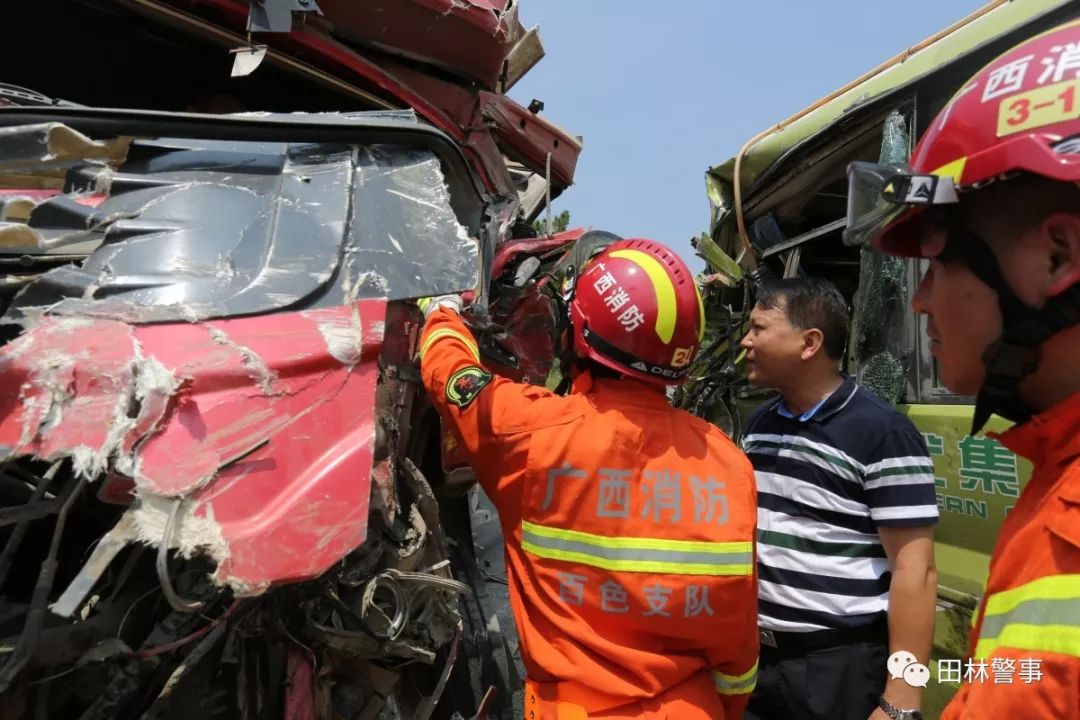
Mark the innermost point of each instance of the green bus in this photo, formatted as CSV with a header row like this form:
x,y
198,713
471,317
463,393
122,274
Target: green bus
x,y
778,209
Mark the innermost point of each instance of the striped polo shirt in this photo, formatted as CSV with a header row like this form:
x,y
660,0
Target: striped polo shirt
x,y
826,481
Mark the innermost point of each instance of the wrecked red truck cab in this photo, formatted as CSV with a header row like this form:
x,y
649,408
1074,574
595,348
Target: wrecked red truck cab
x,y
223,492
227,373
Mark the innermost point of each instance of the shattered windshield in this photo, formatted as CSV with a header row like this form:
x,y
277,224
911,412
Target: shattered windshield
x,y
168,229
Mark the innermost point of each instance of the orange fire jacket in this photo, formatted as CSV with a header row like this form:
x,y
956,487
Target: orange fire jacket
x,y
629,529
1025,650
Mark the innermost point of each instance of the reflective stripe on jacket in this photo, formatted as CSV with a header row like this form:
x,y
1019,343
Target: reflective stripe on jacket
x,y
629,530
1027,632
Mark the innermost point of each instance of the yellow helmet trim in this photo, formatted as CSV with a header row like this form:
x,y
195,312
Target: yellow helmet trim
x,y
954,170
666,309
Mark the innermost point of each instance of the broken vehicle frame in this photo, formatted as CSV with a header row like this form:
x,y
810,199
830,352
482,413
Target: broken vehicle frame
x,y
127,643
195,414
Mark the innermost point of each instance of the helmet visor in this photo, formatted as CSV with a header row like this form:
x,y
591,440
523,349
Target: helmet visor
x,y
878,194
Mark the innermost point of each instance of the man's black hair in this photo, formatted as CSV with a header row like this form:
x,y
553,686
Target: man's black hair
x,y
810,303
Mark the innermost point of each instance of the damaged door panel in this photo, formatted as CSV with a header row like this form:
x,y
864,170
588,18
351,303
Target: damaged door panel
x,y
197,414
201,403
470,37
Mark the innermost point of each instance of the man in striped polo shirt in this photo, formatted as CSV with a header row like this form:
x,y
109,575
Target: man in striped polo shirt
x,y
846,510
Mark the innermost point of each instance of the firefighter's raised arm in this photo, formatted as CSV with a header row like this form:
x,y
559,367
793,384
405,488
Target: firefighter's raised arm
x,y
471,400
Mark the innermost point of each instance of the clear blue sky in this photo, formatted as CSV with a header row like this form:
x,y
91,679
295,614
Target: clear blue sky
x,y
662,90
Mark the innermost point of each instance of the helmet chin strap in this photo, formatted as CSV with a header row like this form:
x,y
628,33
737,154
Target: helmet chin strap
x,y
1015,353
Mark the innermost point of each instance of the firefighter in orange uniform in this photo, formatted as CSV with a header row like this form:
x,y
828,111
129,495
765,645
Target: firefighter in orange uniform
x,y
629,524
991,199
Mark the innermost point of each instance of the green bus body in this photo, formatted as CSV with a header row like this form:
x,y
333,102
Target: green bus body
x,y
794,191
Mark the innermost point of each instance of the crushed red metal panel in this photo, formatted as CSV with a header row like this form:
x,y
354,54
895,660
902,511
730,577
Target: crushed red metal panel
x,y
299,687
460,105
522,135
201,411
321,51
470,38
509,251
31,193
529,138
65,390
455,109
249,442
288,516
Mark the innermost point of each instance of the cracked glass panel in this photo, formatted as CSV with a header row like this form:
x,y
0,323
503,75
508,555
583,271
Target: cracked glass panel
x,y
197,229
883,347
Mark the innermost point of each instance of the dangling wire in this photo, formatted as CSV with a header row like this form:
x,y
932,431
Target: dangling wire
x,y
162,565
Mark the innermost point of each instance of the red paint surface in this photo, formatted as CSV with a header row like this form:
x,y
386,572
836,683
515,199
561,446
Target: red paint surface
x,y
471,38
34,194
66,381
39,195
512,249
282,465
530,138
459,110
299,688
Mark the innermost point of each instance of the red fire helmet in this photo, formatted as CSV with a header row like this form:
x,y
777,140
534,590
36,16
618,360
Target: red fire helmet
x,y
1020,113
635,309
